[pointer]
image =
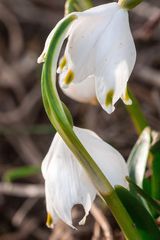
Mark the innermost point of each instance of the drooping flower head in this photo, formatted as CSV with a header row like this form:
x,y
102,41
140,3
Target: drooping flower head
x,y
67,183
99,56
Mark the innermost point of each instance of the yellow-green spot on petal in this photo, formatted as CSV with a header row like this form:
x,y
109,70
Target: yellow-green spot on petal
x,y
69,77
63,63
126,98
109,98
49,221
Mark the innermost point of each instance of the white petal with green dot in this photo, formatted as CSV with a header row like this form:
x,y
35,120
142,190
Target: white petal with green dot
x,y
82,92
66,182
115,59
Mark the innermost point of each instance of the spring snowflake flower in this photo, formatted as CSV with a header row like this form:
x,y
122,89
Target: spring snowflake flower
x,y
99,56
67,183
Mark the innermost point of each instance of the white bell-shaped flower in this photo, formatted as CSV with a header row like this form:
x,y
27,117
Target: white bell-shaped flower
x,y
101,53
67,183
100,49
99,57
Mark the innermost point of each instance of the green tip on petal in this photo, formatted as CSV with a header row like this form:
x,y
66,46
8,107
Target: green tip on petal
x,y
69,77
49,221
109,98
63,63
126,98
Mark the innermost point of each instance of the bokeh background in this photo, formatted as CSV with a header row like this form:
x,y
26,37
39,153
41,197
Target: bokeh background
x,y
25,132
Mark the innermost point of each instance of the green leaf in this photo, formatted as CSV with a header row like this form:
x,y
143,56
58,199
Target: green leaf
x,y
37,129
155,179
138,158
142,219
145,195
147,185
21,172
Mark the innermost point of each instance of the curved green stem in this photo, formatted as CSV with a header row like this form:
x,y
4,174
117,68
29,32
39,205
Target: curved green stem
x,y
59,120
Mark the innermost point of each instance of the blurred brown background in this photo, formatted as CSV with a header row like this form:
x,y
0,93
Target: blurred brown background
x,y
25,132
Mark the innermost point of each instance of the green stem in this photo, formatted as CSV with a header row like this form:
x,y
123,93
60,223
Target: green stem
x,y
129,4
134,110
59,120
77,5
136,114
85,4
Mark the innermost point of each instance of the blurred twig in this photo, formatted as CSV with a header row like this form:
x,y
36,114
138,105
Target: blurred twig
x,y
152,13
102,221
14,30
26,149
27,11
148,75
96,232
29,102
28,227
22,212
146,10
22,190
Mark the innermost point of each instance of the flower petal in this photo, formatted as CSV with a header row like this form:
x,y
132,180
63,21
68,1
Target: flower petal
x,y
83,37
83,91
109,160
66,182
52,217
48,157
115,59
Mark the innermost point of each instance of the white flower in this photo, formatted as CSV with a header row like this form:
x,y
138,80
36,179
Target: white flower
x,y
99,56
66,182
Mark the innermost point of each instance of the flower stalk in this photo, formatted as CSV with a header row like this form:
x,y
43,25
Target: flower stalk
x,y
136,114
129,4
57,116
134,110
77,5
